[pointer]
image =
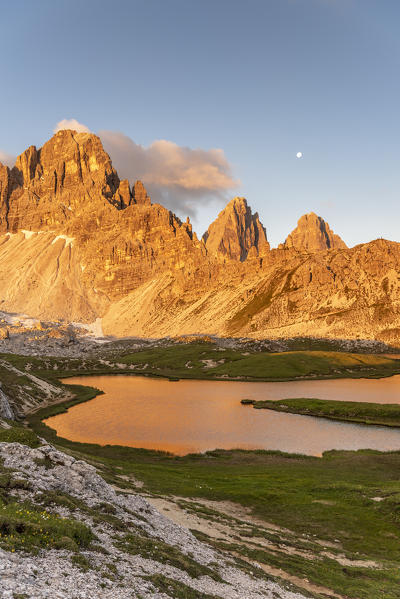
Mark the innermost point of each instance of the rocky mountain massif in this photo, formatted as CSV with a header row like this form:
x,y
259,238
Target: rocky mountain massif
x,y
78,244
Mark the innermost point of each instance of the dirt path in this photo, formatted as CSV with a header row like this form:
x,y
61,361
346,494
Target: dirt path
x,y
234,524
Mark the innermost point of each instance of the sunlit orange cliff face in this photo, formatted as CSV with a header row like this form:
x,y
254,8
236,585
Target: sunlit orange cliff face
x,y
77,243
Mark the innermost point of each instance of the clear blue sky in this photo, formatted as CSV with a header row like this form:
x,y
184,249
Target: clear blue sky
x,y
261,79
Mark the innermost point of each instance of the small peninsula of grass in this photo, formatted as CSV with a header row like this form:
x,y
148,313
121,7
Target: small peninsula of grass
x,y
349,411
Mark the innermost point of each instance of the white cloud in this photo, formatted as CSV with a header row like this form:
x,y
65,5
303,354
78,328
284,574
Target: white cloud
x,y
176,176
7,159
71,124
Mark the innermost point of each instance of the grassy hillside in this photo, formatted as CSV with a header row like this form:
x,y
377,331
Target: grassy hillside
x,y
202,360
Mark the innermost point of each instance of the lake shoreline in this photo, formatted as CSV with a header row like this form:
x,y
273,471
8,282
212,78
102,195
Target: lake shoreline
x,y
322,408
150,414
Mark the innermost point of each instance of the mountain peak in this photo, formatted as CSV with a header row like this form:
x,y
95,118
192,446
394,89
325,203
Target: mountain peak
x,y
70,175
236,231
313,234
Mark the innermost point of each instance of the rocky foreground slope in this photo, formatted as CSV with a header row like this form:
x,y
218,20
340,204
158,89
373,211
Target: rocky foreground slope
x,y
77,244
111,545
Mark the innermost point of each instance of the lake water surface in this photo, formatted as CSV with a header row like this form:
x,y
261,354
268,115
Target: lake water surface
x,y
195,416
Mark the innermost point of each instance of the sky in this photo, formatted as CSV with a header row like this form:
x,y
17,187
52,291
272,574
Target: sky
x,y
206,100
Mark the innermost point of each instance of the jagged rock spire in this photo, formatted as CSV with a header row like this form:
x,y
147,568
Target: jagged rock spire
x,y
140,195
236,232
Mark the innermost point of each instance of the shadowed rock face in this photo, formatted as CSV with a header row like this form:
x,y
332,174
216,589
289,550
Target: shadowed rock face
x,y
313,234
236,232
77,243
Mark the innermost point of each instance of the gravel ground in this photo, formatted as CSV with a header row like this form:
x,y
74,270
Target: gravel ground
x,y
51,574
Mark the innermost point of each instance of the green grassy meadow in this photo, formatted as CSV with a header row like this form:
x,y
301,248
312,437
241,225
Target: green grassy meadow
x,y
190,361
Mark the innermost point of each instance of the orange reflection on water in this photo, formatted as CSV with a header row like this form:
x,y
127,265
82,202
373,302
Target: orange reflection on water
x,y
195,416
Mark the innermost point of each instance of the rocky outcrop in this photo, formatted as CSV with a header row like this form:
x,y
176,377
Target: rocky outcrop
x,y
5,407
236,232
313,234
139,194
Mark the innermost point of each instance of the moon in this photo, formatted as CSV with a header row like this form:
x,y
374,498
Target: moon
x,y
299,155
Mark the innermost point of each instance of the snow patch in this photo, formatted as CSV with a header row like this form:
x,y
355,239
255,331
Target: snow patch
x,y
68,240
28,234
